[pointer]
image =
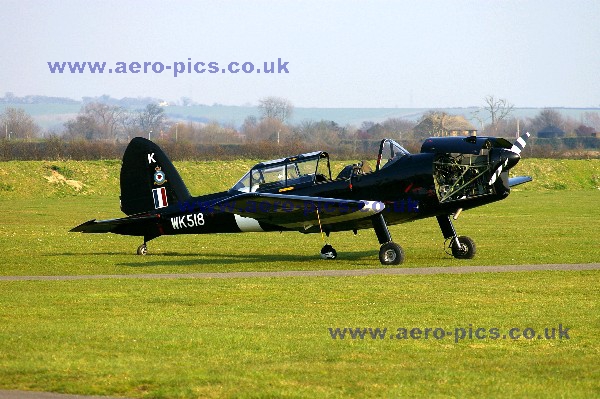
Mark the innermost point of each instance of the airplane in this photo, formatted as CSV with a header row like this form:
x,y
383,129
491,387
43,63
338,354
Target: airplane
x,y
299,193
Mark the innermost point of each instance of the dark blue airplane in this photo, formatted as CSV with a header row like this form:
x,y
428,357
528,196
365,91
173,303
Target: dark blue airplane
x,y
299,193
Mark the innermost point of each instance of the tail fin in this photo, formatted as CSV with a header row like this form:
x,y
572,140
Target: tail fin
x,y
149,181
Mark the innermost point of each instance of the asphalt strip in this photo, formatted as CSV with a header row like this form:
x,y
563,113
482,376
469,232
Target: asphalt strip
x,y
320,273
44,395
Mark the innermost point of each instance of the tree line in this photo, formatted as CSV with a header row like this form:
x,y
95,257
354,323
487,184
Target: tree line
x,y
273,131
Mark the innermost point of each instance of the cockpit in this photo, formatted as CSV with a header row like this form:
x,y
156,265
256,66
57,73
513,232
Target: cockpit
x,y
284,174
279,174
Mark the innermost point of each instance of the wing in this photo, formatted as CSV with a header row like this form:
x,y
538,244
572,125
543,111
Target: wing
x,y
295,211
132,225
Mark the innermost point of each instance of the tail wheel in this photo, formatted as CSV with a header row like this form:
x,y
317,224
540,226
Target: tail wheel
x,y
464,249
391,254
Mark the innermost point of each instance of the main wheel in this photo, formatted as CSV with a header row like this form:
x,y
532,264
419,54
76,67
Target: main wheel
x,y
142,250
328,252
465,249
391,254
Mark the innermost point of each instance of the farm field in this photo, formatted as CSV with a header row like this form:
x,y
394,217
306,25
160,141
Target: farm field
x,y
273,337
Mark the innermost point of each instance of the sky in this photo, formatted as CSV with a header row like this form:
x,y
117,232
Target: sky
x,y
356,54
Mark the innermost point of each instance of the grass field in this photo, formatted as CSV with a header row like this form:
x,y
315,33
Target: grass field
x,y
255,337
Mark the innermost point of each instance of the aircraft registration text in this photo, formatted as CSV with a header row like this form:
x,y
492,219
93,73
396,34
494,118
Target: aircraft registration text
x,y
187,221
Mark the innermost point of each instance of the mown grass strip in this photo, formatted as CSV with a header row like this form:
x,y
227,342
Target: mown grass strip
x,y
526,228
271,338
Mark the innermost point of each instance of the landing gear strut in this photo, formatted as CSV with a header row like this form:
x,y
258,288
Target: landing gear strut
x,y
390,253
462,247
143,249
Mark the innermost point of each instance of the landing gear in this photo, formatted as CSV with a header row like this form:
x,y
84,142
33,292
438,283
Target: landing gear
x,y
462,247
328,252
142,249
390,253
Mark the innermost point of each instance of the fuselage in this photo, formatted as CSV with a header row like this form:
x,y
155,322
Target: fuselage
x,y
407,188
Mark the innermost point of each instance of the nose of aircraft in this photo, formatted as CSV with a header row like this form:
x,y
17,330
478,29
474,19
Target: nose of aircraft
x,y
510,157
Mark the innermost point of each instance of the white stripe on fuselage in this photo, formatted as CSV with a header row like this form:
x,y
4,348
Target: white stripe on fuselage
x,y
247,224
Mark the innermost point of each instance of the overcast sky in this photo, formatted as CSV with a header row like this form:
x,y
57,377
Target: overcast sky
x,y
338,53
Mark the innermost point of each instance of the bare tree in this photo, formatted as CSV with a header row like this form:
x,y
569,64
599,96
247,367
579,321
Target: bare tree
x,y
398,128
583,130
275,108
107,117
151,119
268,129
547,117
320,133
16,123
97,121
83,127
591,119
497,109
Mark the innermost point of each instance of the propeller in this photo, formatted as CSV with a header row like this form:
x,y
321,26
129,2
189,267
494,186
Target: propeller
x,y
511,157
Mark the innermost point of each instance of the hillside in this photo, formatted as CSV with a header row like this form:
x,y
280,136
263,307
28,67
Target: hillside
x,y
28,179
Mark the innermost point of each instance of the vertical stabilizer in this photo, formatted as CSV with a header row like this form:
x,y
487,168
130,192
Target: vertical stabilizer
x,y
149,181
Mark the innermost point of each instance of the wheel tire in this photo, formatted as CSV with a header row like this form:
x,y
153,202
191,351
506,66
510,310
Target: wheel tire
x,y
466,250
391,254
328,252
142,250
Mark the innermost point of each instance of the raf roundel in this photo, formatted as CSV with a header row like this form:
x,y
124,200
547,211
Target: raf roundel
x,y
159,177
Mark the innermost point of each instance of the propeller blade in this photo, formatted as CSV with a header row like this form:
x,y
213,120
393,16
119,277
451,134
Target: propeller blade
x,y
520,144
498,172
514,158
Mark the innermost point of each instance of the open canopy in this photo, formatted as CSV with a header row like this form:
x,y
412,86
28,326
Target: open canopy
x,y
305,169
299,170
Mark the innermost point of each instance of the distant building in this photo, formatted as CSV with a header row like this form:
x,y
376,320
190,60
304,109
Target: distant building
x,y
457,125
442,124
551,132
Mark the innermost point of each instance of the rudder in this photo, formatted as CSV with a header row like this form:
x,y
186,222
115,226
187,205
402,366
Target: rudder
x,y
149,181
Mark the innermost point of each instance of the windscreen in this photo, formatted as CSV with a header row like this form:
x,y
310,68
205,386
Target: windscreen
x,y
389,152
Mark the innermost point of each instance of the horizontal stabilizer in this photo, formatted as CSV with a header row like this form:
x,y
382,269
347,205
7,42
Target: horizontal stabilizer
x,y
128,225
515,181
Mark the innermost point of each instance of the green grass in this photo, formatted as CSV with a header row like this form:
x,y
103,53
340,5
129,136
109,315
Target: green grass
x,y
188,338
269,337
528,227
33,179
534,225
